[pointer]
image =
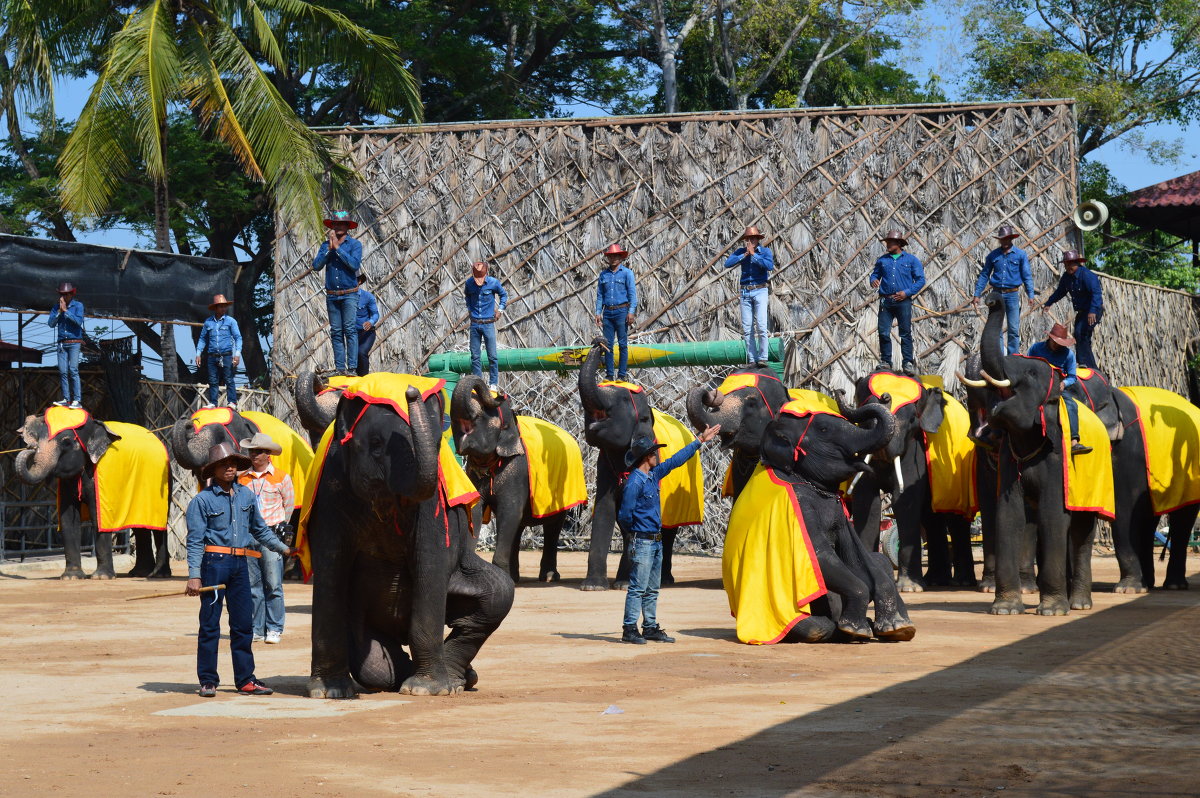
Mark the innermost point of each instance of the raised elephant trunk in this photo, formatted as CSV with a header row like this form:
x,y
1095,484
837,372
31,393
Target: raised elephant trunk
x,y
699,401
873,417
589,394
990,348
315,415
187,446
426,438
31,469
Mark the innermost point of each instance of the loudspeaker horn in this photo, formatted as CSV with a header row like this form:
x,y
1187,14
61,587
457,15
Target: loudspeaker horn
x,y
1090,215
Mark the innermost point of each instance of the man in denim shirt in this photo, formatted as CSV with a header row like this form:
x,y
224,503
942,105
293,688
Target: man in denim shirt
x,y
341,257
221,340
1086,297
616,302
1006,269
641,516
481,292
757,263
368,317
899,276
67,319
222,521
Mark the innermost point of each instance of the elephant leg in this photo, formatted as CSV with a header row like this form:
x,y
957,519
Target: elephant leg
x,y
330,670
1134,515
1054,524
70,521
907,509
866,510
821,626
104,556
508,540
162,557
1081,536
604,518
937,550
551,531
668,541
1029,553
143,562
1010,534
1182,523
960,551
378,662
480,598
850,587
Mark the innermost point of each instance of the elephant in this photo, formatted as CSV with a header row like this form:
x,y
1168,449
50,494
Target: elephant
x,y
981,398
812,453
190,446
317,401
390,544
492,439
905,469
69,446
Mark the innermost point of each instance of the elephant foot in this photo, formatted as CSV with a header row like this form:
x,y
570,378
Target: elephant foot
x,y
595,583
109,574
908,584
1175,584
332,687
1081,602
160,573
1028,587
421,684
939,579
73,573
666,580
966,581
987,584
623,584
894,630
139,572
1007,607
549,576
856,629
470,678
1130,585
1053,607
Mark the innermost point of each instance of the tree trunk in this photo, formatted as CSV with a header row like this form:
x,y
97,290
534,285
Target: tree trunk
x,y
669,82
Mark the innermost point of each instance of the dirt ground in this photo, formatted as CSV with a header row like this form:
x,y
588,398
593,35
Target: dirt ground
x,y
101,701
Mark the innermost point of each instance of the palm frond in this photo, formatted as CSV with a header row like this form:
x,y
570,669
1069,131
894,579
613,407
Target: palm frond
x,y
95,158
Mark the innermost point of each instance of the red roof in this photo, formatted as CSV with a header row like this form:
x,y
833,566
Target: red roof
x,y
1182,191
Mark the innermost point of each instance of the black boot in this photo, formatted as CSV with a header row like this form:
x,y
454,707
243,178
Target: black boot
x,y
631,635
657,634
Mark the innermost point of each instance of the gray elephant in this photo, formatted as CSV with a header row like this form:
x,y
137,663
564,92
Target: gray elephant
x,y
528,472
194,435
94,464
391,550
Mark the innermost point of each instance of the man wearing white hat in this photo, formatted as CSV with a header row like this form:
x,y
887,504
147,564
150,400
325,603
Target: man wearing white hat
x,y
276,500
340,256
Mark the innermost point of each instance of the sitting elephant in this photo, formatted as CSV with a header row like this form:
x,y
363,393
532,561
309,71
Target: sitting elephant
x,y
115,472
386,531
528,472
793,567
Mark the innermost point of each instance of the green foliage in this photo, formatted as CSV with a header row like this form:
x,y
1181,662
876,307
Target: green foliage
x,y
27,204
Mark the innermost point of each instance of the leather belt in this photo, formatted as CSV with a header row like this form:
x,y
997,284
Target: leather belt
x,y
616,307
1008,290
234,551
642,536
754,287
71,341
341,293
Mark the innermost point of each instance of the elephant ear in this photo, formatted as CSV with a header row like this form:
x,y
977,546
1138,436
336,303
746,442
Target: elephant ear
x,y
100,437
34,430
509,443
932,410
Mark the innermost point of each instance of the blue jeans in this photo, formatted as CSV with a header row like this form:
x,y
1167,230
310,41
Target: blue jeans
x,y
68,371
343,329
754,324
230,569
645,573
366,342
1083,339
901,312
616,327
220,367
1012,309
266,590
1072,416
485,331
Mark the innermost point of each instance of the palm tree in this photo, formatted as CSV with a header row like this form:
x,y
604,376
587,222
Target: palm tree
x,y
207,55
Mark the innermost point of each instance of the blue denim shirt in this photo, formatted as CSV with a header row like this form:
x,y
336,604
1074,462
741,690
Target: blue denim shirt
x,y
1064,359
616,287
640,507
217,517
343,262
219,336
1084,288
368,310
1005,270
481,299
756,268
69,324
904,273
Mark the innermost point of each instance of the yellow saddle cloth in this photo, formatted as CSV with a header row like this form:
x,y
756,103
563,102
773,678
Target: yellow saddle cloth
x,y
132,481
950,456
555,463
1170,427
769,569
681,492
1088,478
902,390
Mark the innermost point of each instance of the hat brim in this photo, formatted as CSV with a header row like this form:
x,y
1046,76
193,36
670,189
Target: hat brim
x,y
216,305
631,461
248,443
1074,260
243,462
1008,236
622,253
1068,341
331,222
758,237
902,241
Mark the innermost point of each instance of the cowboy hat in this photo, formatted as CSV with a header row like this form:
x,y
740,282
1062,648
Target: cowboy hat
x,y
752,232
616,249
1071,256
1060,336
1006,231
340,216
260,440
219,299
895,235
66,288
640,448
219,454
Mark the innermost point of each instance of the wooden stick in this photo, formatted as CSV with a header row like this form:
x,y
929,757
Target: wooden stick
x,y
208,589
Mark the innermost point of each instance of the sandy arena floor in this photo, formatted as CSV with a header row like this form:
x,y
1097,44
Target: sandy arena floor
x,y
101,702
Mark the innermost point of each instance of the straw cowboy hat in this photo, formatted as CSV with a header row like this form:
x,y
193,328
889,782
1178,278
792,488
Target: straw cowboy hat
x,y
616,249
640,448
895,235
1060,336
219,300
340,216
219,454
1071,256
260,440
1006,231
66,288
752,232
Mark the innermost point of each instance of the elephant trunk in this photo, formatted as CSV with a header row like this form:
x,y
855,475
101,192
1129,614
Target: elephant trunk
x,y
187,446
31,469
699,402
313,416
464,400
877,421
589,394
426,439
990,349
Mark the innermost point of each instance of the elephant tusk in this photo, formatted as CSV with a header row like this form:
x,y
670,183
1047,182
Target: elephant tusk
x,y
969,382
899,474
995,382
858,476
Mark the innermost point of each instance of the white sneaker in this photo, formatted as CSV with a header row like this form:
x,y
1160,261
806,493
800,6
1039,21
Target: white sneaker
x,y
273,637
208,406
75,406
232,405
494,388
62,403
258,639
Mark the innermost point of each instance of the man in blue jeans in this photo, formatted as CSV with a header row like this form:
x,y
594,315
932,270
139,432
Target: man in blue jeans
x,y
1086,297
641,516
757,263
221,341
67,320
616,303
341,257
1006,269
899,276
486,300
368,317
222,521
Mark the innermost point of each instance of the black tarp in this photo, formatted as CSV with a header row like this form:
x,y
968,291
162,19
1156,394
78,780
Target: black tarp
x,y
125,283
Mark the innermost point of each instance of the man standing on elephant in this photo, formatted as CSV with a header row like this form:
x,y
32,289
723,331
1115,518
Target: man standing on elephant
x,y
1086,297
481,293
222,521
1006,269
342,254
616,304
221,342
899,276
276,500
757,263
1056,350
368,317
67,319
641,518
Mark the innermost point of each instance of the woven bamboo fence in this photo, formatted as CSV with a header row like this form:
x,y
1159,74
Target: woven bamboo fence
x,y
541,199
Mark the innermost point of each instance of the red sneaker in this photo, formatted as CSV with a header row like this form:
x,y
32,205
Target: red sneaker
x,y
254,687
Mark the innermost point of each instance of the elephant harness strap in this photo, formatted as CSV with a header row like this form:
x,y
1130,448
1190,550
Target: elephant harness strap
x,y
761,395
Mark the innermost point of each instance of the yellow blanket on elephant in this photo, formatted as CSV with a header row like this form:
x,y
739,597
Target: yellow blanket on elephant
x,y
383,387
555,463
813,400
769,569
681,493
296,460
212,415
901,389
132,481
61,418
950,455
1087,478
1170,427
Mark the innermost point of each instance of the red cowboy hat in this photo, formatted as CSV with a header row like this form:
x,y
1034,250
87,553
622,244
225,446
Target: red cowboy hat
x,y
66,288
616,249
340,216
1006,231
752,232
895,235
1071,256
219,299
1060,336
